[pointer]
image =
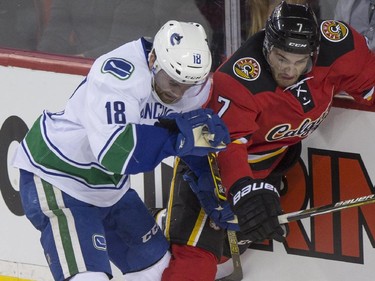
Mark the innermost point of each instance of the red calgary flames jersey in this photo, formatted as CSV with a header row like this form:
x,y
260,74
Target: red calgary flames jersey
x,y
264,119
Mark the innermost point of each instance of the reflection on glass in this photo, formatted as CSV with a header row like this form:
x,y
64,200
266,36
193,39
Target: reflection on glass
x,y
254,13
89,28
20,23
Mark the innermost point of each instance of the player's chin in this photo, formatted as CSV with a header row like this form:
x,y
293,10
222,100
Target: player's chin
x,y
284,82
169,100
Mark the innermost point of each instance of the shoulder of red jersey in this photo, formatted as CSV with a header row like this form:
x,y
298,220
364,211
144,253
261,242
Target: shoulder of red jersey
x,y
337,39
249,67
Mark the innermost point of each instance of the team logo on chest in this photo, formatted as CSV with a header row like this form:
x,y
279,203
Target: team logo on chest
x,y
247,68
305,128
153,110
334,31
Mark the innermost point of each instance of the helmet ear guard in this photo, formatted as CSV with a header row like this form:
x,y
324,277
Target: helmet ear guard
x,y
182,51
294,29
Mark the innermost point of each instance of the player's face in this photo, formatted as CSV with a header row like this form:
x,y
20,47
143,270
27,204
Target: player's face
x,y
169,90
287,67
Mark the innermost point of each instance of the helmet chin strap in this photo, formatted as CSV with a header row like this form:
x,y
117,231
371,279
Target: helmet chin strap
x,y
153,89
309,66
155,68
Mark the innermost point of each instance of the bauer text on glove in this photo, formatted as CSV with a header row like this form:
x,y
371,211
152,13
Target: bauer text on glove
x,y
257,205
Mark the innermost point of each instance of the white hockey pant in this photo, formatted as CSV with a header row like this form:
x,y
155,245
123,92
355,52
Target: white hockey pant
x,y
90,276
152,273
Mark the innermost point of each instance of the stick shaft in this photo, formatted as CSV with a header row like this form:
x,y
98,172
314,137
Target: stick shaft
x,y
237,273
346,204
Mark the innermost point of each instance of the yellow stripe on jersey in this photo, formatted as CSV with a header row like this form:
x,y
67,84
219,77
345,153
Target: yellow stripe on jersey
x,y
259,158
240,141
198,227
171,191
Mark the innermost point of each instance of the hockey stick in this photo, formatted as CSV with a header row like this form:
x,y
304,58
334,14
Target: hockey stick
x,y
237,273
330,208
299,215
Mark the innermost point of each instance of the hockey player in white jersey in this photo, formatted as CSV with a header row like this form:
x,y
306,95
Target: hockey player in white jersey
x,y
75,164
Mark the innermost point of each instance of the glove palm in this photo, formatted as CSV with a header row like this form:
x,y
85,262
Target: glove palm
x,y
198,132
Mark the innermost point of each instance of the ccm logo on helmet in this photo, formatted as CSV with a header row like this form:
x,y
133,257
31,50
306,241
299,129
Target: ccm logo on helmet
x,y
193,77
253,187
297,45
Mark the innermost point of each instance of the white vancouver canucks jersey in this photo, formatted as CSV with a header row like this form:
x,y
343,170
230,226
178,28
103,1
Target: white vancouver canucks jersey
x,y
104,134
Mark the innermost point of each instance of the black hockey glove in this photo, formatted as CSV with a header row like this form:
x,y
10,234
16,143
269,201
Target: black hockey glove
x,y
257,205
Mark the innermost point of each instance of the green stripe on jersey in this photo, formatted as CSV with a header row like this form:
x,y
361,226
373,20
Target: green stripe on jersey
x,y
119,152
45,157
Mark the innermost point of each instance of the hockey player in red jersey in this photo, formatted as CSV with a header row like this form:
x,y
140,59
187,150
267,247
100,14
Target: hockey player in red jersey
x,y
272,93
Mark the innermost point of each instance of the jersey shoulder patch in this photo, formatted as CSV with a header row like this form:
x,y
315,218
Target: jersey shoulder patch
x,y
333,30
336,40
249,67
118,67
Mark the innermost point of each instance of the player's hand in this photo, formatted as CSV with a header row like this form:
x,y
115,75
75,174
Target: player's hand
x,y
218,211
257,205
199,132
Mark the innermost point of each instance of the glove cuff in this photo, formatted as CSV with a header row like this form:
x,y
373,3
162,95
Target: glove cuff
x,y
198,164
247,187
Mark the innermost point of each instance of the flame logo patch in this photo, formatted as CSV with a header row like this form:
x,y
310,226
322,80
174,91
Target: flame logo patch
x,y
247,68
334,31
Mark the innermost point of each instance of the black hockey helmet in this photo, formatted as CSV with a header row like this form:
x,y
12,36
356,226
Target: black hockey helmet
x,y
292,28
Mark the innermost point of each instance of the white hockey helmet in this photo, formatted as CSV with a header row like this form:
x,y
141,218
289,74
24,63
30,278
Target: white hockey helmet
x,y
182,51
